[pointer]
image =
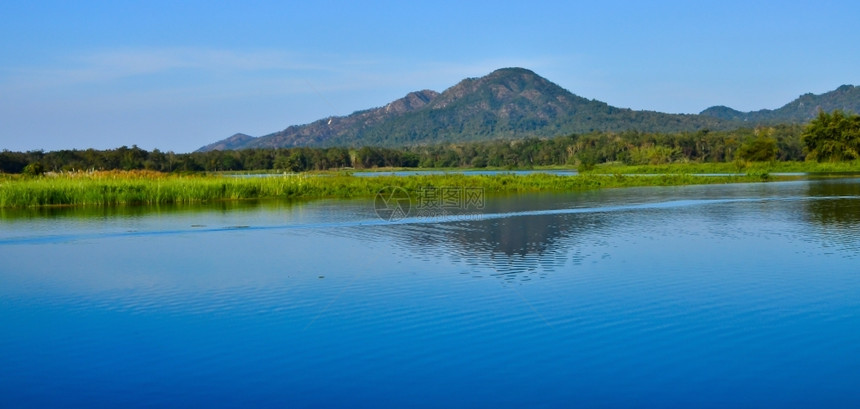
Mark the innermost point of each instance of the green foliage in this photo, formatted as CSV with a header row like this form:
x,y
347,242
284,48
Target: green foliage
x,y
587,160
761,149
750,168
152,188
833,137
13,162
653,155
368,157
33,169
594,148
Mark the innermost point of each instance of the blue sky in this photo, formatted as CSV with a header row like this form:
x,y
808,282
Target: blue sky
x,y
176,75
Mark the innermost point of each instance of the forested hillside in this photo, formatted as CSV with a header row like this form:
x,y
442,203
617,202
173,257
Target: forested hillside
x,y
515,103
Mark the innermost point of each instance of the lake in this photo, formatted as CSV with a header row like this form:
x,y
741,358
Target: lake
x,y
741,295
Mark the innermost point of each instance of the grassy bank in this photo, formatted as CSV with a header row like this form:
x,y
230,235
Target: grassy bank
x,y
113,188
753,168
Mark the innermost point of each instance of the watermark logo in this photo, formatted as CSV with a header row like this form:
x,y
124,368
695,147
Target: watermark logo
x,y
449,201
395,203
392,203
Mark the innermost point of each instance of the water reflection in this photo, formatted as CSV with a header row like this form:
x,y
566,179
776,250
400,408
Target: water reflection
x,y
522,245
503,247
841,209
516,237
65,224
836,215
527,244
94,212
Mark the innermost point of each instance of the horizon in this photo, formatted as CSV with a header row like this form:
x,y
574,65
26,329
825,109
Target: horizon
x,y
176,77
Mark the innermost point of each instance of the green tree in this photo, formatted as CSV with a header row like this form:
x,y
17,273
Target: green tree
x,y
832,137
761,149
12,162
34,169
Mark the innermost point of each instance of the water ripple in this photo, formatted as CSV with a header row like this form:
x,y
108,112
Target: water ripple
x,y
441,220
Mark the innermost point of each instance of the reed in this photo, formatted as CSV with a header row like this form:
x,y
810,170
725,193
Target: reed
x,y
152,188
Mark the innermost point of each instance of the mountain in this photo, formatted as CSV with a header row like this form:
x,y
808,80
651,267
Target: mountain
x,y
802,109
339,130
237,141
512,103
508,103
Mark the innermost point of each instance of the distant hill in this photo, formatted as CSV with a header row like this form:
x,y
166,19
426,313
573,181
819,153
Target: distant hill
x,y
508,103
237,141
342,129
802,109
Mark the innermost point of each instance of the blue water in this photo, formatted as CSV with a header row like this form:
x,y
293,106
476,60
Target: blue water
x,y
699,296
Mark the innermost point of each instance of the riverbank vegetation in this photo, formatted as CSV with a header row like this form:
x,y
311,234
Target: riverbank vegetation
x,y
830,137
631,148
829,143
833,137
734,167
147,187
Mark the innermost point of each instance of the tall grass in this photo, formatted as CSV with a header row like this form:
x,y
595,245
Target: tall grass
x,y
150,188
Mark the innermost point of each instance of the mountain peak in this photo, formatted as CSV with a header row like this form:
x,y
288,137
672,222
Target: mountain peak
x,y
512,71
508,90
514,103
237,141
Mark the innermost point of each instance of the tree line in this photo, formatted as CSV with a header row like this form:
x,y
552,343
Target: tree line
x,y
830,136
